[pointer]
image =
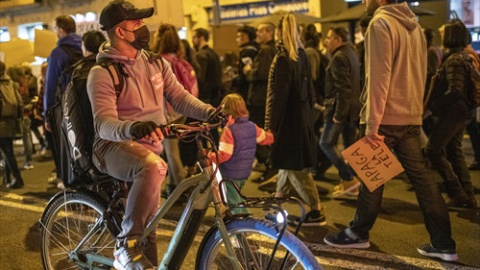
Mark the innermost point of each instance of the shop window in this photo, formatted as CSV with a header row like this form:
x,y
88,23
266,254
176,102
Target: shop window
x,y
4,34
27,31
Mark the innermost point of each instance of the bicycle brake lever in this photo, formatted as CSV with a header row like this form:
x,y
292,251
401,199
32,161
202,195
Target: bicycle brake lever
x,y
166,130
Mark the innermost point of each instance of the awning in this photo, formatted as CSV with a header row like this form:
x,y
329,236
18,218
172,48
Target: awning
x,y
356,12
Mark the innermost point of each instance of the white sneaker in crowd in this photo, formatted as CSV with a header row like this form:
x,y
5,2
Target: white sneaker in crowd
x,y
60,185
28,166
349,188
53,179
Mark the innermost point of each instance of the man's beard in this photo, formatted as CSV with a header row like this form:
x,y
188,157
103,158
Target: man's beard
x,y
372,7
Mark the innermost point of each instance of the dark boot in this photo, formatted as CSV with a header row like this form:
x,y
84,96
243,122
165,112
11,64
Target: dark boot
x,y
6,179
16,183
471,201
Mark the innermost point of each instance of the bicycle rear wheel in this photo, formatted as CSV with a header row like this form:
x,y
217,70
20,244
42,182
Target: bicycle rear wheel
x,y
66,221
253,241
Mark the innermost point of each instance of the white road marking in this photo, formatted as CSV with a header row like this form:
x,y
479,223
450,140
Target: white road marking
x,y
376,256
22,206
394,260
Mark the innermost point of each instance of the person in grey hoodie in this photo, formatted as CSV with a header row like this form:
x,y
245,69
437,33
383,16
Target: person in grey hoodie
x,y
396,65
127,138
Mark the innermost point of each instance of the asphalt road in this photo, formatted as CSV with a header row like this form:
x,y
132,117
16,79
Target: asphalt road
x,y
398,231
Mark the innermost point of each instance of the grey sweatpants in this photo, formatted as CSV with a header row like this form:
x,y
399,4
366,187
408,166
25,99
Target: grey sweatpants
x,y
176,172
302,182
132,162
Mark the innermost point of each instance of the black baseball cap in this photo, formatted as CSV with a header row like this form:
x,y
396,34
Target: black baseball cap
x,y
120,10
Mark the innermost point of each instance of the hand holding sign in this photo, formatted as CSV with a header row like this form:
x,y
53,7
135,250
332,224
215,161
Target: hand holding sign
x,y
374,164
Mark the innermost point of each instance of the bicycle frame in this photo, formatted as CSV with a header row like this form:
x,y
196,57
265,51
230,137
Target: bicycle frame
x,y
188,224
207,190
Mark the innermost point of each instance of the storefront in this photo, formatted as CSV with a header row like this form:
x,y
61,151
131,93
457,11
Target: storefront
x,y
20,19
230,16
469,12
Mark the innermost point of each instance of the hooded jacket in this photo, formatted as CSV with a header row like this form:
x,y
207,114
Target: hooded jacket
x,y
57,61
141,98
396,65
11,109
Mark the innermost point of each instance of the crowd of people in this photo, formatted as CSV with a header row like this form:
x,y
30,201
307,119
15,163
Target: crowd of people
x,y
289,95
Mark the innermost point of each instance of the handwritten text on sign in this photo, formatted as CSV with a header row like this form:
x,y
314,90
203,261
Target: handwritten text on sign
x,y
374,164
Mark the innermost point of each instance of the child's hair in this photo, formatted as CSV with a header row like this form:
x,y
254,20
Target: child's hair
x,y
235,105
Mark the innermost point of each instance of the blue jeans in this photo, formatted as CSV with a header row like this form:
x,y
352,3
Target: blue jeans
x,y
405,141
328,143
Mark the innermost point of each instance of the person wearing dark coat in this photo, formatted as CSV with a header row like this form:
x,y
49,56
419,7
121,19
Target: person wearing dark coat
x,y
342,107
292,100
256,74
11,126
58,60
210,73
246,37
318,65
449,102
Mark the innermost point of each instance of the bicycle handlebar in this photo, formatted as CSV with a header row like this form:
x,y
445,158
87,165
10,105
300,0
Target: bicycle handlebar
x,y
215,119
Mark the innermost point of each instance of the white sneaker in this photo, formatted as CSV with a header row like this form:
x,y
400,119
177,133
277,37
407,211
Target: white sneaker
x,y
349,188
128,256
53,179
28,166
46,153
60,185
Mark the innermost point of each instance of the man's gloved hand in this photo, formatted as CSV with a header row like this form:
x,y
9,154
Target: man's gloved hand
x,y
140,130
215,116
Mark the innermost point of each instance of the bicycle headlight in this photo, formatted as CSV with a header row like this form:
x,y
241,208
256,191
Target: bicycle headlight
x,y
280,216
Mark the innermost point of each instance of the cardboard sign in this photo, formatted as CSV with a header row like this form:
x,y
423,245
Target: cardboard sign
x,y
45,42
17,51
374,164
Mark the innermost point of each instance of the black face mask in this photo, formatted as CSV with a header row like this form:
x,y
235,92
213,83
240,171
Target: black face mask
x,y
142,37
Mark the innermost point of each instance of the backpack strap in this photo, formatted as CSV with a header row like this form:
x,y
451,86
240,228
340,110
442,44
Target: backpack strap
x,y
117,70
117,73
69,49
154,58
73,56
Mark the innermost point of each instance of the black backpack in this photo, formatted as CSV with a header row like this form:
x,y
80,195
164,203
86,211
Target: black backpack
x,y
75,135
74,56
473,85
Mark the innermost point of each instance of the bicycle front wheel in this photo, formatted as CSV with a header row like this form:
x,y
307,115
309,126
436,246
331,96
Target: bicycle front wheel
x,y
66,222
253,242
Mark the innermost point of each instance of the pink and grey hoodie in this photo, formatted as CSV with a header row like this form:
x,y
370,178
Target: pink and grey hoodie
x,y
396,66
141,98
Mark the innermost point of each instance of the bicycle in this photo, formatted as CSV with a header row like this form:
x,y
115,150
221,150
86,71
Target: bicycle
x,y
79,227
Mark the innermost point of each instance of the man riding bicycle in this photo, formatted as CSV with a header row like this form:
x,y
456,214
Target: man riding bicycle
x,y
127,138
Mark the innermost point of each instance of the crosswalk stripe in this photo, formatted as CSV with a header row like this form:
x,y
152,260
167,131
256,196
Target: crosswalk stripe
x,y
22,206
317,249
393,259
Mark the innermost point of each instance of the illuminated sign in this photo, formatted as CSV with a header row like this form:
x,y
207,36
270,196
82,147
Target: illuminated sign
x,y
259,9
